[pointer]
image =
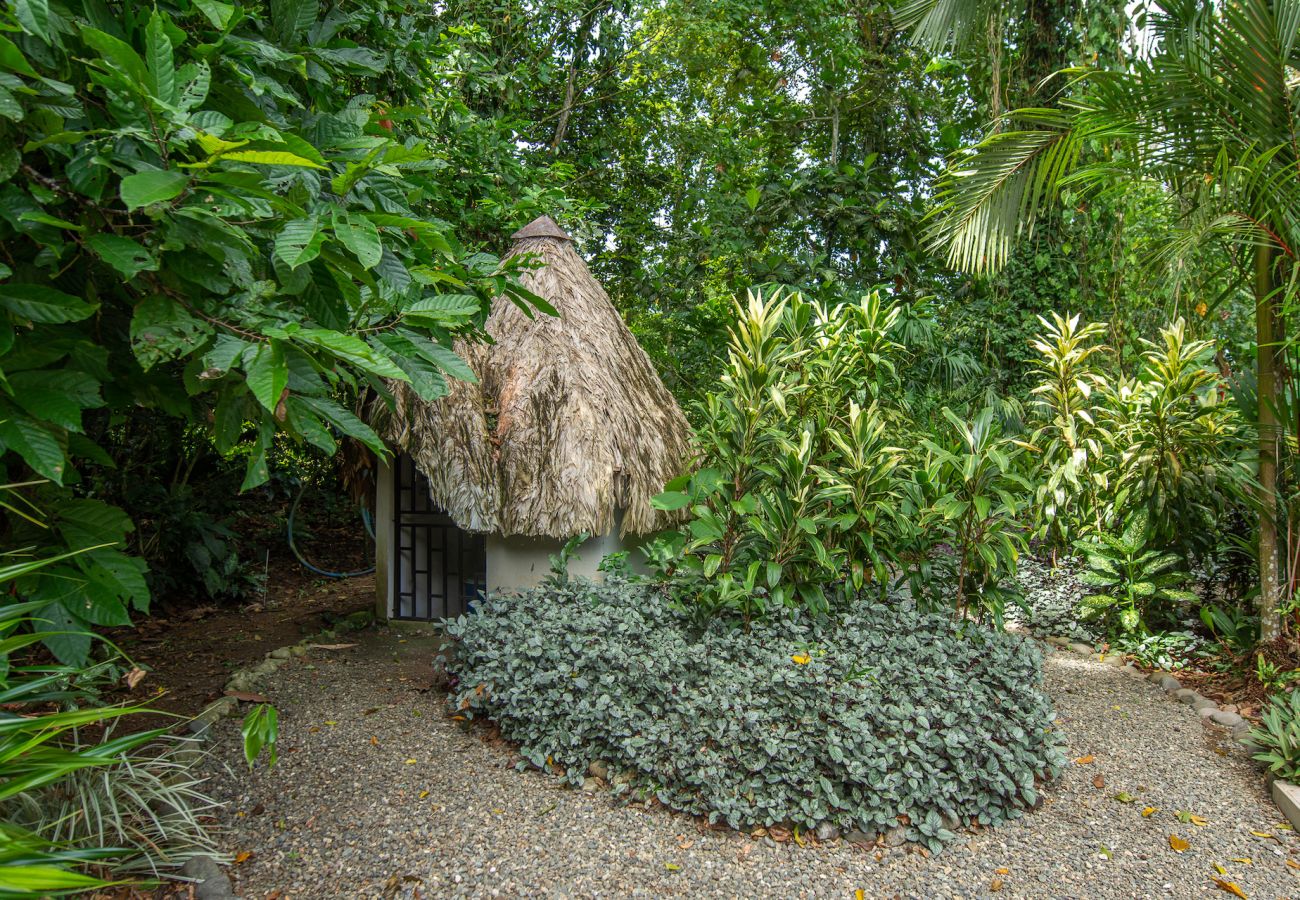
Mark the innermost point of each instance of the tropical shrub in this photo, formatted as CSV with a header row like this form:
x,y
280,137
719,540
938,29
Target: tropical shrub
x,y
796,488
1179,447
1236,630
1131,577
222,211
1165,650
1164,443
1277,736
980,494
147,802
1069,449
875,716
127,801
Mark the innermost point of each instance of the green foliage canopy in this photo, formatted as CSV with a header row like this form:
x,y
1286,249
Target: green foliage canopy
x,y
227,212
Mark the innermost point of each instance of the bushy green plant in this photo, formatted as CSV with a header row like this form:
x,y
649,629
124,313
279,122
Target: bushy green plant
x,y
797,485
1277,736
1236,629
980,494
1167,650
1178,447
56,743
1070,455
1272,677
875,713
147,802
223,211
1132,578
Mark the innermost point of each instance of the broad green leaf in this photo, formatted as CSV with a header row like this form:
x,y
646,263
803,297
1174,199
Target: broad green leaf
x,y
43,304
217,13
152,186
120,56
268,374
303,419
444,308
86,523
12,59
346,422
41,218
354,350
299,242
123,254
361,237
38,447
162,65
34,17
65,634
56,397
670,500
445,359
271,158
10,108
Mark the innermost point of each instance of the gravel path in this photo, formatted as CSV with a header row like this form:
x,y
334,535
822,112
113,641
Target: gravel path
x,y
378,794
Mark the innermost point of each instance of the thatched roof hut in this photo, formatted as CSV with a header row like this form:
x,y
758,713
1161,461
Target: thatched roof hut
x,y
568,425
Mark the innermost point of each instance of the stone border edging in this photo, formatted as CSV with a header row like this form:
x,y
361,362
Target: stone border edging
x,y
1285,795
1227,717
249,679
210,880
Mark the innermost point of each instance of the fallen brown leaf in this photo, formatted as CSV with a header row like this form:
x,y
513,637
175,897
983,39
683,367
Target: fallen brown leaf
x,y
1098,782
330,646
247,696
1177,844
1230,887
134,677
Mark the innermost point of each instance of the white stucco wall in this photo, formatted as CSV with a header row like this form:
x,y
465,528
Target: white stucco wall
x,y
517,563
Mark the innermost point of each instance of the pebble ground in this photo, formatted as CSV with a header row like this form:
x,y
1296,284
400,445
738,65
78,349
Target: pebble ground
x,y
379,794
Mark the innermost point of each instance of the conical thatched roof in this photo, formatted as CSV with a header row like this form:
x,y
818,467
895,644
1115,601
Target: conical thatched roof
x,y
569,421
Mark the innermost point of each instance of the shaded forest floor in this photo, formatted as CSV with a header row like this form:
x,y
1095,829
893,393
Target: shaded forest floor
x,y
189,654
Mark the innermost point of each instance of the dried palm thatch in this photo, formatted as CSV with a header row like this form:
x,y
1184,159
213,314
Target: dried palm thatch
x,y
568,424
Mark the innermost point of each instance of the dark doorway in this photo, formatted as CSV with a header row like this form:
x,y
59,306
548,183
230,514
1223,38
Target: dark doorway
x,y
439,570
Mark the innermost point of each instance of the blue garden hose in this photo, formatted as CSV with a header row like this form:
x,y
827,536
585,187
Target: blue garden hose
x,y
365,520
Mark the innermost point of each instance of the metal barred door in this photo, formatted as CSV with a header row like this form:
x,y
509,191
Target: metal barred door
x,y
438,569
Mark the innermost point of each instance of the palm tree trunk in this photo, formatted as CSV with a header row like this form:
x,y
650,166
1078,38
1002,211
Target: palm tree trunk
x,y
1270,625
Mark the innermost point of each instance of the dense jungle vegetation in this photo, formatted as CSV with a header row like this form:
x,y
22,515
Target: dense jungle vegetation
x,y
941,285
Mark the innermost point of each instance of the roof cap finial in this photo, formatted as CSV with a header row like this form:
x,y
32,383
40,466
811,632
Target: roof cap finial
x,y
541,227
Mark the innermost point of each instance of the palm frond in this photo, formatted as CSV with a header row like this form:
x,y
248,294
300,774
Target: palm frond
x,y
938,25
991,194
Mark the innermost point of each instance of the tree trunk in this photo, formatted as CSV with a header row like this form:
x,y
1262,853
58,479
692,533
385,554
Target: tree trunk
x,y
1270,625
585,24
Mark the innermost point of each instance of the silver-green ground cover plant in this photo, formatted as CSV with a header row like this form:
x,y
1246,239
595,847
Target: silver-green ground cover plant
x,y
875,717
